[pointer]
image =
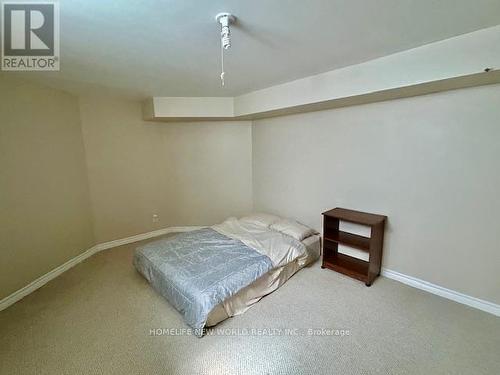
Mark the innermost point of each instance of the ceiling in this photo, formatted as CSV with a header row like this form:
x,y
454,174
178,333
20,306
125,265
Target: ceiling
x,y
171,47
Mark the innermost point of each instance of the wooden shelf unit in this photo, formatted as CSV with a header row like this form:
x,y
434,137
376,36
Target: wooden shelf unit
x,y
359,269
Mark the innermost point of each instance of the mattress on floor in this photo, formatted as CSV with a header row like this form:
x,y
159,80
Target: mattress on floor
x,y
218,266
266,284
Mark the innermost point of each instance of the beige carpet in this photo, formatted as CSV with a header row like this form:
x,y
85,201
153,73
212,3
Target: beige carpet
x,y
96,319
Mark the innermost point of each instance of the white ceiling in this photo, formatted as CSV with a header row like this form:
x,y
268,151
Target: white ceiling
x,y
171,47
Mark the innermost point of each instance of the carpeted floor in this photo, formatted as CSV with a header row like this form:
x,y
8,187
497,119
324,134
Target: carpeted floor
x,y
97,319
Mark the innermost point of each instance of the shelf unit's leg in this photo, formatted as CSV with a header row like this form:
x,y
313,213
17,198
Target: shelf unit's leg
x,y
376,245
329,224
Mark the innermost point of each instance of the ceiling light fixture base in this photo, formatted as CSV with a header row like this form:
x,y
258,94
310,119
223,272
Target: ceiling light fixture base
x,y
221,16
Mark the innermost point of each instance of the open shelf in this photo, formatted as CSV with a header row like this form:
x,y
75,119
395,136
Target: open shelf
x,y
357,217
350,266
349,239
354,267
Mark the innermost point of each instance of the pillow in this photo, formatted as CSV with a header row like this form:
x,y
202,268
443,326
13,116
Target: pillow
x,y
293,229
262,219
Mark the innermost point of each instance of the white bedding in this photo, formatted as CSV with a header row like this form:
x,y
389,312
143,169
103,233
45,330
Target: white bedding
x,y
287,254
279,247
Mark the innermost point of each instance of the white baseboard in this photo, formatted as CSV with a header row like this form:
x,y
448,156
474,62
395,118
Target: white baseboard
x,y
44,279
477,303
144,236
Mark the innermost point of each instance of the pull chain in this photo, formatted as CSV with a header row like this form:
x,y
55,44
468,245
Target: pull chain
x,y
224,19
222,65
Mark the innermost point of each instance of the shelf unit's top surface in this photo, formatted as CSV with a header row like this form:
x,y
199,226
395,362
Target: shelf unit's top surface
x,y
356,217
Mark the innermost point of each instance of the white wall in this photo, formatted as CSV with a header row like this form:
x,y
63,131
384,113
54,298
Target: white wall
x,y
45,216
188,173
430,163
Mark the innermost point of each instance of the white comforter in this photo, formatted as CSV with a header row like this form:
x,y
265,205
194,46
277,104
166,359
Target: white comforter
x,y
280,248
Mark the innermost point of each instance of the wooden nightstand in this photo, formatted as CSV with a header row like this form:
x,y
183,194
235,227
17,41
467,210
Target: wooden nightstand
x,y
365,271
